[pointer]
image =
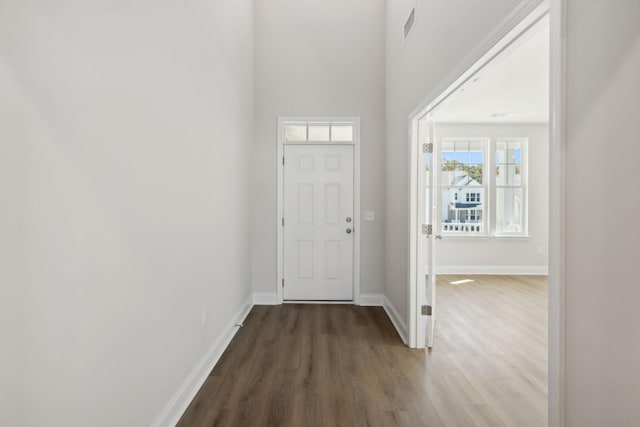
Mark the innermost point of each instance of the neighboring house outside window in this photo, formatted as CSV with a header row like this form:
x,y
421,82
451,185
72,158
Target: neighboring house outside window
x,y
462,171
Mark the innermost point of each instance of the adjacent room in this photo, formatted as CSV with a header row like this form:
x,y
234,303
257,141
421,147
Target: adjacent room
x,y
482,224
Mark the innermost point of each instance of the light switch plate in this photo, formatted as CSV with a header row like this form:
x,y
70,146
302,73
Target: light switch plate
x,y
369,216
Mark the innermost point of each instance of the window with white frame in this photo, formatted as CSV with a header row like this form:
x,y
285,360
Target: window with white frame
x,y
463,186
466,187
510,187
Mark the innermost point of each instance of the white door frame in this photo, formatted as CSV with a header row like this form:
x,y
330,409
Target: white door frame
x,y
355,121
528,11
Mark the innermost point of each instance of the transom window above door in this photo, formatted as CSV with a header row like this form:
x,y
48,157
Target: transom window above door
x,y
319,132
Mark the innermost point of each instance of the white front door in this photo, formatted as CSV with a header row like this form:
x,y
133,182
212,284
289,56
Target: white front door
x,y
318,222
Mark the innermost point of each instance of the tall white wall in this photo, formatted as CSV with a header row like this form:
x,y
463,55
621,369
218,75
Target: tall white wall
x,y
512,255
602,292
318,58
128,147
13,265
444,33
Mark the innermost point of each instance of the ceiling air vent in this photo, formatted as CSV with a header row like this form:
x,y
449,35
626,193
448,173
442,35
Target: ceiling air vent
x,y
408,26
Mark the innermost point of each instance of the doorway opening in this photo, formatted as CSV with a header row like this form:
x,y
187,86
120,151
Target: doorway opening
x,y
482,206
318,202
480,170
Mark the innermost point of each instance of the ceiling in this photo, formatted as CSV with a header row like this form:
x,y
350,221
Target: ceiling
x,y
512,88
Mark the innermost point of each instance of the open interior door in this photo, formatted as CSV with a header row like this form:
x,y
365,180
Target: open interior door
x,y
426,247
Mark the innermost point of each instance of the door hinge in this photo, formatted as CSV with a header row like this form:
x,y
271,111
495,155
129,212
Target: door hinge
x,y
427,148
283,221
282,160
427,229
283,283
426,310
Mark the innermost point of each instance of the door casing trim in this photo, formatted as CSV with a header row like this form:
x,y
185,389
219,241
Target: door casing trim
x,y
356,198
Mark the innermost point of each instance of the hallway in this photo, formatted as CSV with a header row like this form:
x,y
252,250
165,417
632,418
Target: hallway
x,y
325,365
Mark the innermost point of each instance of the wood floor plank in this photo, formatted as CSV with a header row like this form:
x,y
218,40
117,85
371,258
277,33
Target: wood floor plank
x,y
343,365
483,416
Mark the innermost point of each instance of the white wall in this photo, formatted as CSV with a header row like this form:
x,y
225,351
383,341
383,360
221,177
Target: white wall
x,y
511,255
131,141
602,292
318,59
12,251
444,33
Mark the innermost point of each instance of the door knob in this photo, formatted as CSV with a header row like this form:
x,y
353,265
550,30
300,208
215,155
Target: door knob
x,y
349,231
439,236
348,219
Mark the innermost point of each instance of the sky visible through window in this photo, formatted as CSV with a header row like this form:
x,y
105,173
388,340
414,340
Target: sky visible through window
x,y
478,156
464,156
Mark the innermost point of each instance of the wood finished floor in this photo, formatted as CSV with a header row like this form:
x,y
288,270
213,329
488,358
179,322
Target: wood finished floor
x,y
343,365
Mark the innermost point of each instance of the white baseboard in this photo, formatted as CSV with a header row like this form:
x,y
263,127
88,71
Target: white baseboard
x,y
371,299
397,321
174,409
501,270
265,298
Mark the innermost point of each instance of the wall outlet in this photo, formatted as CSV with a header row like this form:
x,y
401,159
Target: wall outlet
x,y
203,317
540,250
369,215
